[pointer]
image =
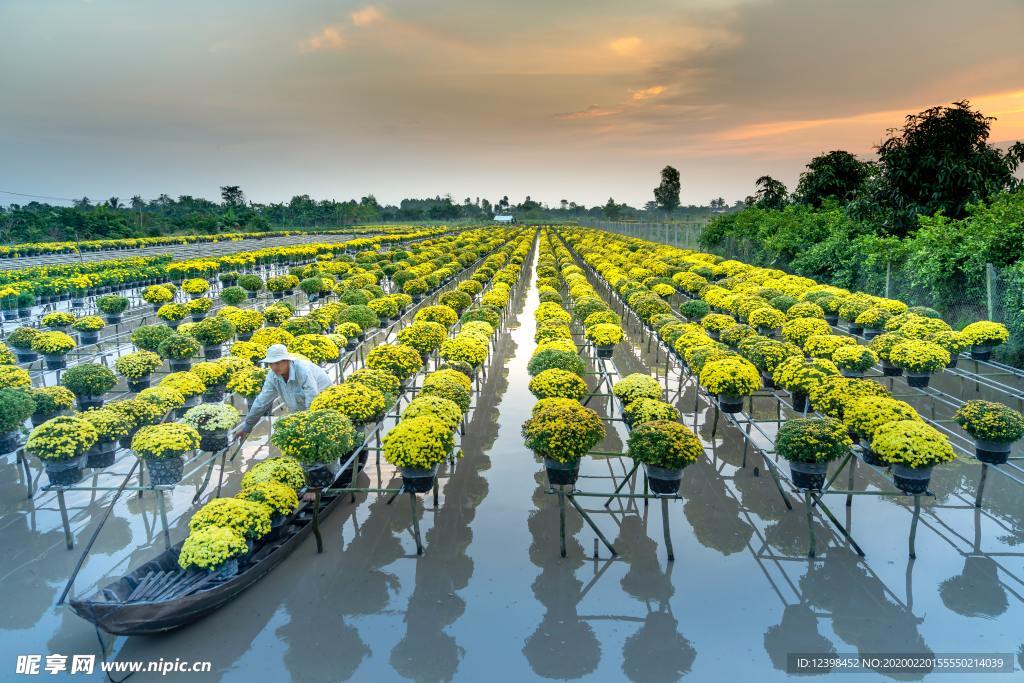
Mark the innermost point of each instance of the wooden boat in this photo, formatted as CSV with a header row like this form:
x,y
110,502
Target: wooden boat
x,y
160,596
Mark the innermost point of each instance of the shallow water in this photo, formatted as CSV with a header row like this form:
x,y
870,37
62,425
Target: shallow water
x,y
491,597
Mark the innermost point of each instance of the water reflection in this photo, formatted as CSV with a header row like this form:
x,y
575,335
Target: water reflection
x,y
797,632
713,514
864,613
976,591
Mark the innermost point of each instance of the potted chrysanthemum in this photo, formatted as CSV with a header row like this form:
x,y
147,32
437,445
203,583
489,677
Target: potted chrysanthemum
x,y
110,427
21,341
249,518
983,336
212,333
89,382
212,421
665,448
54,346
215,550
317,439
810,444
730,379
61,444
137,368
920,360
993,426
562,431
911,448
604,337
88,328
163,447
280,498
416,446
15,407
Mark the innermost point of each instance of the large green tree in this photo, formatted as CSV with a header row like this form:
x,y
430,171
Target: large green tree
x,y
667,193
940,160
769,194
836,175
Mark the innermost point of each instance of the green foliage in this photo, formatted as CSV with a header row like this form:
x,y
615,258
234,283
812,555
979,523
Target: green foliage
x,y
835,176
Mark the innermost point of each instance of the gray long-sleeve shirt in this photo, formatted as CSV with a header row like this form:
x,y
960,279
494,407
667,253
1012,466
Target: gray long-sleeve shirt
x,y
305,381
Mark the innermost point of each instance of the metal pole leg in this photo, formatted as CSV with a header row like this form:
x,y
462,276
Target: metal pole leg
x,y
668,533
415,523
625,481
64,519
590,522
852,464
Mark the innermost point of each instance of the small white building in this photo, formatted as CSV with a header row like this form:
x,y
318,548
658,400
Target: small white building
x,y
504,218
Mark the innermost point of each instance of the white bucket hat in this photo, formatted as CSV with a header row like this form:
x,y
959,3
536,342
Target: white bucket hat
x,y
277,352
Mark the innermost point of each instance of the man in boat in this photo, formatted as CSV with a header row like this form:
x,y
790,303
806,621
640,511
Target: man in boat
x,y
296,381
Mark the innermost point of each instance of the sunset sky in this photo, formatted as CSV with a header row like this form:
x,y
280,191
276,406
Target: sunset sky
x,y
573,100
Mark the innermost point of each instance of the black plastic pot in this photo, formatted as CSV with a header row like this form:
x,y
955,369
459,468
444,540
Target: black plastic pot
x,y
196,317
890,370
663,480
869,456
871,333
56,362
180,365
112,319
137,385
913,480
856,330
24,312
212,352
89,402
418,479
212,442
101,455
319,475
918,380
562,473
64,472
213,395
25,356
87,338
808,475
604,351
832,319
992,452
10,441
165,471
981,352
730,404
800,402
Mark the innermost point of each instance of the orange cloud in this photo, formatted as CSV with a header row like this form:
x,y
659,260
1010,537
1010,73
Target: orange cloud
x,y
366,16
625,46
1006,107
647,93
592,112
329,38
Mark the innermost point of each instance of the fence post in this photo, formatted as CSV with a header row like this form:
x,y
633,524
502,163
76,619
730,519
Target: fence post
x,y
888,280
990,276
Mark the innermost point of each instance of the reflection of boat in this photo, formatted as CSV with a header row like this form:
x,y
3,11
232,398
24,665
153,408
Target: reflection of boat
x,y
159,596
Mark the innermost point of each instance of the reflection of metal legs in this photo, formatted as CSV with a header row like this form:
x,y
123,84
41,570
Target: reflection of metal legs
x,y
832,518
668,533
811,550
561,519
161,504
913,526
23,460
316,521
64,519
981,485
415,523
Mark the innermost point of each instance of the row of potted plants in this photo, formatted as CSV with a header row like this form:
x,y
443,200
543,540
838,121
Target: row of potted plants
x,y
784,362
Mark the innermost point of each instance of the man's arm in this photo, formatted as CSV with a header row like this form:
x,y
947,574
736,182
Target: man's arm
x,y
259,406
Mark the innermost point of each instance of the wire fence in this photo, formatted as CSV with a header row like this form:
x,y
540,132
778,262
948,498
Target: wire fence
x,y
682,234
